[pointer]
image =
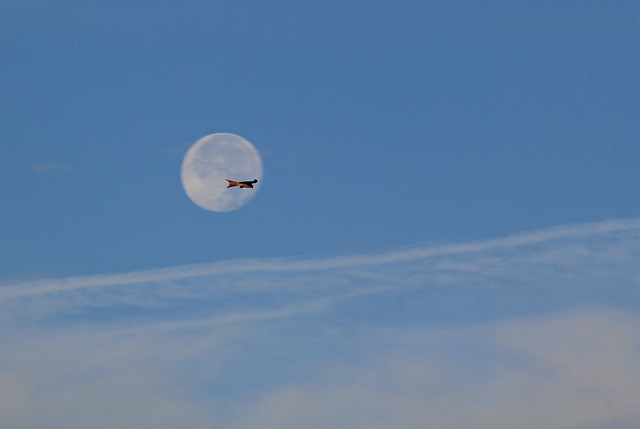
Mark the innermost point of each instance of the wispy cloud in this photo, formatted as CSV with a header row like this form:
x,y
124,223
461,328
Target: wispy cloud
x,y
557,371
51,167
532,330
628,228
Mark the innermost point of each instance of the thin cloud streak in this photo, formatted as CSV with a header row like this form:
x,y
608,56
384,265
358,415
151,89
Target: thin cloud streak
x,y
53,166
630,226
310,306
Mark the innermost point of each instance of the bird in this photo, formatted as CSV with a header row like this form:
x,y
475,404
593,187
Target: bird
x,y
245,184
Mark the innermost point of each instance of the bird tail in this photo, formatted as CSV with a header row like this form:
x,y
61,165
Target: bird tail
x,y
232,183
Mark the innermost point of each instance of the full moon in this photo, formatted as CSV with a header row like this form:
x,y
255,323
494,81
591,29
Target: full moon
x,y
210,161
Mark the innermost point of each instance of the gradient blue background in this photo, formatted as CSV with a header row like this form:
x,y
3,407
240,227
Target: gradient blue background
x,y
447,232
381,125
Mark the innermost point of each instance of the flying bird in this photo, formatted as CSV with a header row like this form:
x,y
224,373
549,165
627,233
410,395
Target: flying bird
x,y
245,184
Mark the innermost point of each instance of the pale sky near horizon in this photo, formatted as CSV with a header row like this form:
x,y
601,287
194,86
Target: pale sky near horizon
x,y
446,233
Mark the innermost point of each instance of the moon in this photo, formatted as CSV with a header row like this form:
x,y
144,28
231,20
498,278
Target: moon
x,y
210,161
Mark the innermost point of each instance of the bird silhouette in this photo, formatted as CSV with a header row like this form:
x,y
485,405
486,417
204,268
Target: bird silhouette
x,y
245,184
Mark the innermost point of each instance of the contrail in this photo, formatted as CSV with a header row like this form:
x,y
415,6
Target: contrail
x,y
48,286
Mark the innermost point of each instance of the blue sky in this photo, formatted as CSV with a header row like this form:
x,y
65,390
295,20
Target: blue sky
x,y
449,205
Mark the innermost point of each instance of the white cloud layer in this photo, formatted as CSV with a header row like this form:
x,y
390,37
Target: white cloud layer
x,y
529,331
568,370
